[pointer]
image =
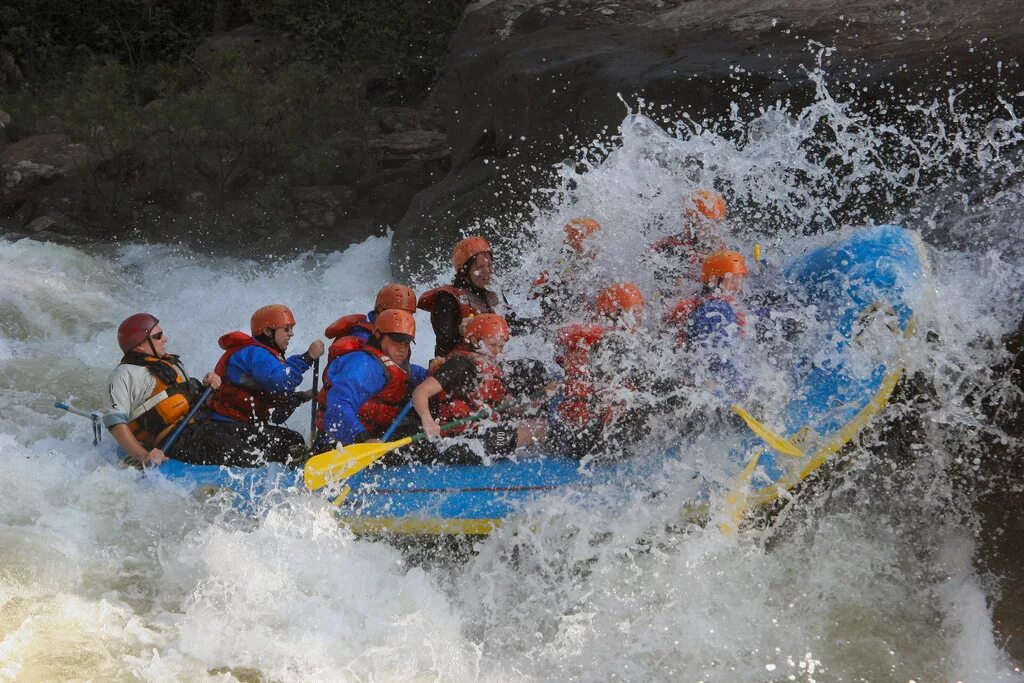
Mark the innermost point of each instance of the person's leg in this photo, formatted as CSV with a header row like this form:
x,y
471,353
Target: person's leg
x,y
213,442
280,444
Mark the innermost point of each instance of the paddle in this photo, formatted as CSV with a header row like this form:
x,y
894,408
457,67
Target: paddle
x,y
342,463
774,441
95,416
169,443
398,421
312,411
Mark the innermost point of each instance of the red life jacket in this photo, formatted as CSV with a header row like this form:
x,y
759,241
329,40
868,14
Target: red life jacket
x,y
241,403
573,355
469,303
343,327
679,315
491,390
340,347
381,409
691,247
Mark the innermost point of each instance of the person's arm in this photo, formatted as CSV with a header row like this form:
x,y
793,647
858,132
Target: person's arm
x,y
354,379
121,398
445,319
421,395
271,374
135,450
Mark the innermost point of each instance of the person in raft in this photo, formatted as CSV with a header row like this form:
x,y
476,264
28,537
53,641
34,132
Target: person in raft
x,y
467,296
559,289
370,386
599,407
351,332
710,323
470,379
704,213
257,391
149,393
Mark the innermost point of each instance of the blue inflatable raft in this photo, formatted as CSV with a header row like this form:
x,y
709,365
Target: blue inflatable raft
x,y
869,279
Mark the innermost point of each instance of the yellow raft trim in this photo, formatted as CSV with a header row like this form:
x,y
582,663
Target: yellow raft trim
x,y
739,502
421,526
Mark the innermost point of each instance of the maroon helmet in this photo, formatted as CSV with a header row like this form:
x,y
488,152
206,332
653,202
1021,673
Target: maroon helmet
x,y
134,330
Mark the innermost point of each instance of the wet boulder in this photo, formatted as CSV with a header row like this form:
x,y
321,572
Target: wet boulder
x,y
35,161
535,79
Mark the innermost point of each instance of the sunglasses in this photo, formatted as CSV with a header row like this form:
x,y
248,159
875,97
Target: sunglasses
x,y
158,336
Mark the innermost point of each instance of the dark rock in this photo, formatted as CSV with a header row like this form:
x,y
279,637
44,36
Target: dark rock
x,y
322,206
999,489
36,161
10,75
397,119
544,69
418,145
532,79
249,42
439,215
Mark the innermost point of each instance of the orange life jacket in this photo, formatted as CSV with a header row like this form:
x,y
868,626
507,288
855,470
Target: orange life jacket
x,y
491,390
470,304
241,403
381,409
169,403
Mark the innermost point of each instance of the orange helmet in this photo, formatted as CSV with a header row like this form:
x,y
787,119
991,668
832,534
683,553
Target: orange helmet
x,y
706,203
272,316
579,229
722,263
486,327
467,249
622,296
395,296
396,321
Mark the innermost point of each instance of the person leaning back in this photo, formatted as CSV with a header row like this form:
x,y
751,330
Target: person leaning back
x,y
149,392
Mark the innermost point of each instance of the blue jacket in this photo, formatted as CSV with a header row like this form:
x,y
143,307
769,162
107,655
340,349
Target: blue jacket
x,y
361,333
256,368
354,378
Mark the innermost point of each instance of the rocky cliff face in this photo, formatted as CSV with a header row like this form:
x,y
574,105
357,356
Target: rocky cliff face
x,y
527,79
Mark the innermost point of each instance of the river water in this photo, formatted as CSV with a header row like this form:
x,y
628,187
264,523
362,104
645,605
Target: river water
x,y
107,575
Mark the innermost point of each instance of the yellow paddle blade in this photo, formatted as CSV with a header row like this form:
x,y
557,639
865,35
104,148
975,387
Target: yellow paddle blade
x,y
342,463
774,441
757,252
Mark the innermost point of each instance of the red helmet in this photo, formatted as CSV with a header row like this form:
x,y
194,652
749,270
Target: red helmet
x,y
395,296
396,321
622,296
579,229
722,262
486,327
467,249
706,203
272,316
134,330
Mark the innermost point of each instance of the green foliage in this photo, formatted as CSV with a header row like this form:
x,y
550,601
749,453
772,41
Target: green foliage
x,y
217,127
50,36
406,40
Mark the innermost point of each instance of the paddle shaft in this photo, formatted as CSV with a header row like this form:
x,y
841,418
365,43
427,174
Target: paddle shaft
x,y
169,443
398,421
73,410
312,411
95,417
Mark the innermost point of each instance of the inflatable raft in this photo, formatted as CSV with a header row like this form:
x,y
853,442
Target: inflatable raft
x,y
865,281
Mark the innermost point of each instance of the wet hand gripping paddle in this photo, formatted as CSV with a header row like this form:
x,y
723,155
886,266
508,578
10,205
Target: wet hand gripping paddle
x,y
341,463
